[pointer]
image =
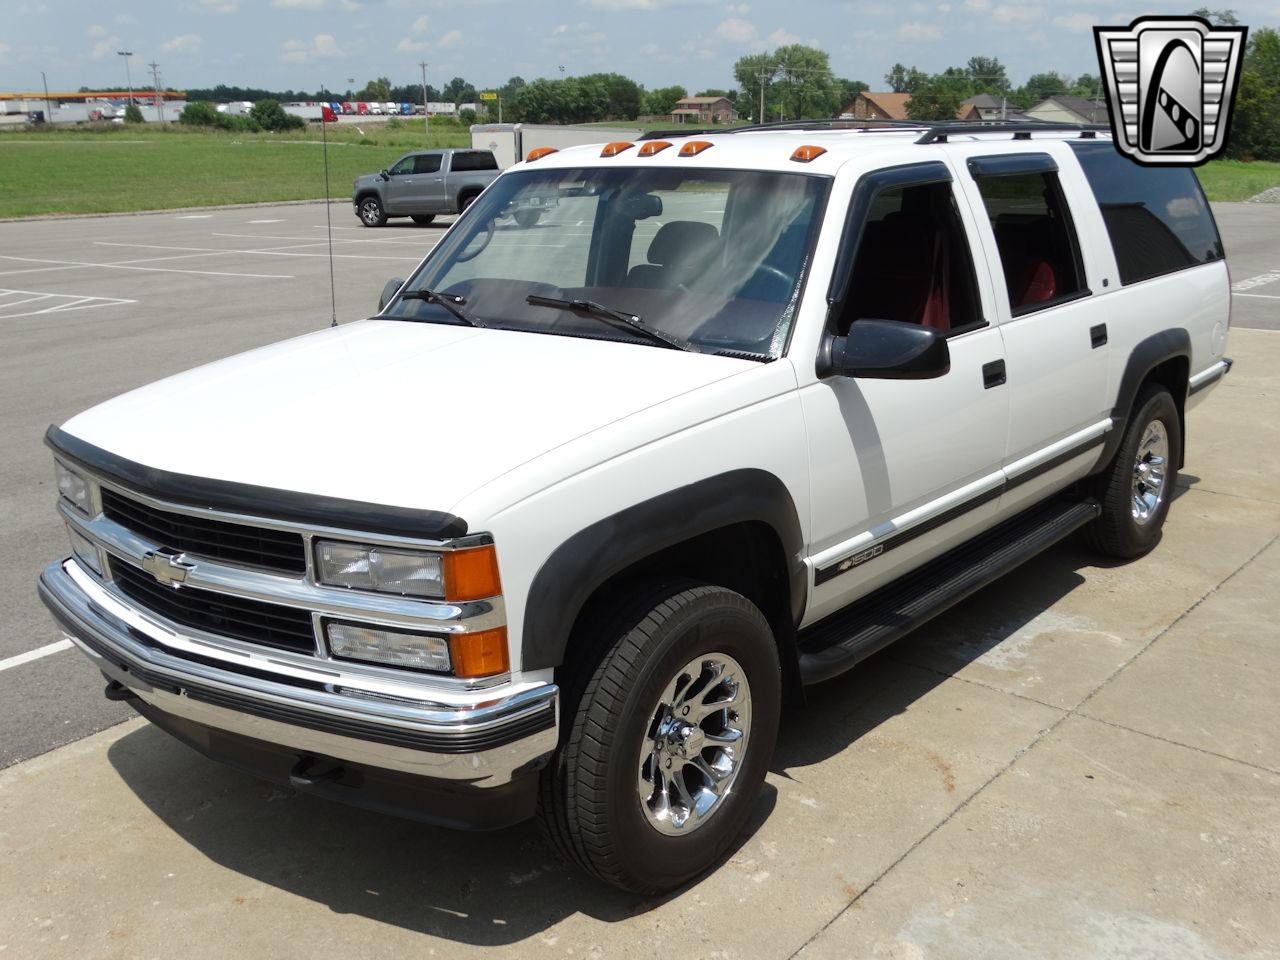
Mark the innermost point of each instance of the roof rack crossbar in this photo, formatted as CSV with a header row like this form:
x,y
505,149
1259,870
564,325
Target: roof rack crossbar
x,y
1021,129
934,131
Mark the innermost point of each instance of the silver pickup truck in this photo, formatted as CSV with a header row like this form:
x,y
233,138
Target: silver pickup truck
x,y
423,184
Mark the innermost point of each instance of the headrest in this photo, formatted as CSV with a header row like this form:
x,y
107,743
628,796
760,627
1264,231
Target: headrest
x,y
682,238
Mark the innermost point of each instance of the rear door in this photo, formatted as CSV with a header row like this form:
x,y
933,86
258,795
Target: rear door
x,y
428,175
1056,341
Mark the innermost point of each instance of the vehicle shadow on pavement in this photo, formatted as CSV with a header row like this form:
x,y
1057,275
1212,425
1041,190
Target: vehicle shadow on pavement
x,y
482,889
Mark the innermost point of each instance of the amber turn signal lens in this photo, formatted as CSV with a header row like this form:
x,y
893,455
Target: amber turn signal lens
x,y
615,148
480,654
537,153
695,147
471,574
654,146
807,152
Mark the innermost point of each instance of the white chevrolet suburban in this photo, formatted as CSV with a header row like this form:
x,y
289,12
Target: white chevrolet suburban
x,y
499,552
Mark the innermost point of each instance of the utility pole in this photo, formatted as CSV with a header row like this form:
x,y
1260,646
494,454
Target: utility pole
x,y
48,108
426,113
762,77
127,76
155,88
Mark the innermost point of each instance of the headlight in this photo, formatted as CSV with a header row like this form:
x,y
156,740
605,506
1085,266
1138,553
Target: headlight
x,y
414,573
453,575
85,550
74,488
391,647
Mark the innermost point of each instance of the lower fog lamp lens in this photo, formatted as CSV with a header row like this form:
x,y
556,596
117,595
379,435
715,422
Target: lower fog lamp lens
x,y
393,648
84,550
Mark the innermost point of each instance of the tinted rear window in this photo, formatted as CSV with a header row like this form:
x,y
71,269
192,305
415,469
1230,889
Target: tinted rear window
x,y
479,160
1157,217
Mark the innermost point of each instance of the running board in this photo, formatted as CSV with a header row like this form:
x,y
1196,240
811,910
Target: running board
x,y
833,645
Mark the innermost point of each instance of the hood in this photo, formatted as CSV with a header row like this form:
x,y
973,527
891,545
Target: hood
x,y
391,412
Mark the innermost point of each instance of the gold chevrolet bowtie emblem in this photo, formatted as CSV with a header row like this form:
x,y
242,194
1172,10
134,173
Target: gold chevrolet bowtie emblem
x,y
168,568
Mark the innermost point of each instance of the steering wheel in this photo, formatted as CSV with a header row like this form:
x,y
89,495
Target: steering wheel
x,y
477,244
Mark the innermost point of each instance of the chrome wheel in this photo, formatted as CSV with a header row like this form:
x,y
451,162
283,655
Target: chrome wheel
x,y
1150,469
371,212
695,744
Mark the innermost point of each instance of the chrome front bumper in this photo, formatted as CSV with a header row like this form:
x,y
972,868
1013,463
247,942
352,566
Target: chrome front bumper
x,y
485,741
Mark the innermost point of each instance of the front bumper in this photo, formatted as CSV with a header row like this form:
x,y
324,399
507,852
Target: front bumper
x,y
463,764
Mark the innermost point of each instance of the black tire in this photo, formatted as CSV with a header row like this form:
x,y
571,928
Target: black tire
x,y
1119,532
590,806
528,218
466,200
370,212
422,219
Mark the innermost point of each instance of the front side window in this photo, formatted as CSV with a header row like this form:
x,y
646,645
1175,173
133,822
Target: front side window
x,y
1157,217
402,168
1038,249
913,262
713,258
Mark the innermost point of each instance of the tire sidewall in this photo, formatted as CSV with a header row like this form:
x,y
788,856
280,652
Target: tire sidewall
x,y
376,205
710,625
1155,405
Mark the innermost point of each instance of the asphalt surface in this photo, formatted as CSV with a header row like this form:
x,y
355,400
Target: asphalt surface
x,y
1080,761
92,307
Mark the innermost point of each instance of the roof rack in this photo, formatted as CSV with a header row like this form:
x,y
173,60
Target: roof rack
x,y
935,131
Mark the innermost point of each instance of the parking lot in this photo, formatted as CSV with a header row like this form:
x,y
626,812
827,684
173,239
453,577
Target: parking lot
x,y
1079,761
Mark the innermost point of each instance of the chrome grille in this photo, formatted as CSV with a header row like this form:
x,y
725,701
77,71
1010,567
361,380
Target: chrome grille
x,y
203,537
270,624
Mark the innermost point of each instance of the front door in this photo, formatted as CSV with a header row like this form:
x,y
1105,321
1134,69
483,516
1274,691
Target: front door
x,y
413,185
904,469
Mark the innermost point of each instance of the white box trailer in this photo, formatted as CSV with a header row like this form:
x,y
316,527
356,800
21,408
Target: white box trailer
x,y
511,141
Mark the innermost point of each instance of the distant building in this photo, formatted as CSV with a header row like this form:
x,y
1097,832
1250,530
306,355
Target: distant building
x,y
704,110
872,105
1065,109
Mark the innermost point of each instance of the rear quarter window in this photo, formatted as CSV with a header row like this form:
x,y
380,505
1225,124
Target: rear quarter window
x,y
1157,217
478,160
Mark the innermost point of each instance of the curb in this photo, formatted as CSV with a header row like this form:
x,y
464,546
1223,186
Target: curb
x,y
170,210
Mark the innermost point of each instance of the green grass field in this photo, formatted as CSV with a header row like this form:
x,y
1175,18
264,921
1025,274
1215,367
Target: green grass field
x,y
129,168
120,169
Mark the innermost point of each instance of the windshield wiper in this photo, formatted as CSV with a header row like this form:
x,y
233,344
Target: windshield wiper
x,y
601,312
451,303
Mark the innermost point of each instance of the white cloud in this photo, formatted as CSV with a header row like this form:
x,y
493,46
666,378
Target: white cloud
x,y
187,42
451,39
420,25
104,47
97,30
1016,13
298,4
977,5
920,32
409,45
4,52
217,6
736,30
1076,22
123,18
350,5
639,4
780,38
740,9
323,46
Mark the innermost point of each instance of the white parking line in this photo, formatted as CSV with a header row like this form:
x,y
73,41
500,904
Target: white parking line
x,y
314,240
1259,296
10,662
65,302
123,266
1271,276
264,221
205,251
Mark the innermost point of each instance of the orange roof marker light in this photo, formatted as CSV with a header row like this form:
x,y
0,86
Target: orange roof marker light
x,y
807,152
654,146
537,153
615,148
695,147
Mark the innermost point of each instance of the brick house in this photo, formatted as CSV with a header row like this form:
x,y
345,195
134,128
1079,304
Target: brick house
x,y
704,110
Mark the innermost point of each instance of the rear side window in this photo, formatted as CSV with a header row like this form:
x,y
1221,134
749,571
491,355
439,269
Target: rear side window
x,y
1039,252
1157,217
426,163
477,160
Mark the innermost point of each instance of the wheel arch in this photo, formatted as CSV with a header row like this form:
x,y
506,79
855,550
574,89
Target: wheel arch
x,y
1163,358
738,529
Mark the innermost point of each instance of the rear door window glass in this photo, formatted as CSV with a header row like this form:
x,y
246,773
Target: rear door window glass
x,y
475,160
1157,217
427,163
1039,252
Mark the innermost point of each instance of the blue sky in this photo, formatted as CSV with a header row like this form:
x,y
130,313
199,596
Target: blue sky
x,y
305,43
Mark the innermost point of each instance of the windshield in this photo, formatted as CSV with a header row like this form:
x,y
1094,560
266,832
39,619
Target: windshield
x,y
711,257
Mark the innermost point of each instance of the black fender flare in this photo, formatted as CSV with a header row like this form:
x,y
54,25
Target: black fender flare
x,y
590,557
1146,356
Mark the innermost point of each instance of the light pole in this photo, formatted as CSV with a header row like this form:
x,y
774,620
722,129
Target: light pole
x,y
128,79
48,109
426,113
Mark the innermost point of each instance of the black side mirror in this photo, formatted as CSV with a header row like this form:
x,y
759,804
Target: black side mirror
x,y
389,290
887,350
384,175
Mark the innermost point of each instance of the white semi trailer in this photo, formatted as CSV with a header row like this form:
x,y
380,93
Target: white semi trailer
x,y
511,141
